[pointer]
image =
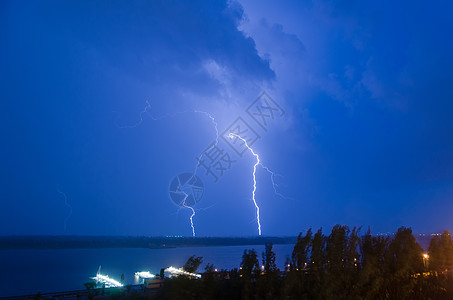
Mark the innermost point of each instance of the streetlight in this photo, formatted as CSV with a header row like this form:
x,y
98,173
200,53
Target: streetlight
x,y
425,259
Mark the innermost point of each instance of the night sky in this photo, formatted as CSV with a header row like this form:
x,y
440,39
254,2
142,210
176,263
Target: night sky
x,y
102,106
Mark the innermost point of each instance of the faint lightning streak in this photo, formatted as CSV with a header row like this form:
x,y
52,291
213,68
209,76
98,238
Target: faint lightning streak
x,y
144,111
170,115
148,106
196,210
213,121
70,209
231,135
274,185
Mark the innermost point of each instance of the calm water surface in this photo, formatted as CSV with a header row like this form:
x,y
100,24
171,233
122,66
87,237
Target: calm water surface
x,y
31,271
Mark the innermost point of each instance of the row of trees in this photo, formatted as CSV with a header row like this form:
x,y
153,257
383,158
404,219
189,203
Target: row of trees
x,y
342,265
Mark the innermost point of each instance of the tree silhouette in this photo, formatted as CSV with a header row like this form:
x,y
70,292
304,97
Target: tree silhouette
x,y
441,253
341,265
316,266
404,259
249,271
249,266
373,250
192,264
301,251
91,288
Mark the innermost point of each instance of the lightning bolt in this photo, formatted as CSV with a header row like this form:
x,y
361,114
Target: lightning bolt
x,y
231,135
258,163
213,121
198,164
193,212
70,209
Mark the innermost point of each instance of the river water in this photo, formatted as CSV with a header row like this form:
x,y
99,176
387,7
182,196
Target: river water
x,y
25,272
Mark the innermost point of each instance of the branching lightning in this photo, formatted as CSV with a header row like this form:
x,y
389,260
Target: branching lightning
x,y
258,163
197,165
274,185
170,115
231,135
213,121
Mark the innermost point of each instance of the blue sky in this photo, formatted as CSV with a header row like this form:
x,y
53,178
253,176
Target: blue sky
x,y
103,101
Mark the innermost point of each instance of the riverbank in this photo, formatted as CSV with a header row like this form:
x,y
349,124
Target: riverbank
x,y
91,294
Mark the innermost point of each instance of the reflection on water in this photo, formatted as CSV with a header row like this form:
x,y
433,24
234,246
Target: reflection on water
x,y
32,271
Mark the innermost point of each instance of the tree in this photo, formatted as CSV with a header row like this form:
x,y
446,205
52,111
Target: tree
x,y
209,282
249,266
297,283
268,286
90,286
342,262
316,268
249,271
373,250
437,259
209,268
269,260
441,252
192,264
404,260
300,255
448,249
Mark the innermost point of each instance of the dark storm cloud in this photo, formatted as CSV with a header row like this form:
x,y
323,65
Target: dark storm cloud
x,y
73,70
403,63
376,102
366,138
153,39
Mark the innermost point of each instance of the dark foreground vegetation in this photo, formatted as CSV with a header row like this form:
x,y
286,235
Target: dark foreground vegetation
x,y
342,265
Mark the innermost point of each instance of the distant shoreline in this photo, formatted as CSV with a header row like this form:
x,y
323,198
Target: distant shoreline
x,y
106,242
102,242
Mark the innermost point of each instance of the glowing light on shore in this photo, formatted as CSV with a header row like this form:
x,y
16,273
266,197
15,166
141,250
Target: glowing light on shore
x,y
180,271
144,275
109,282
